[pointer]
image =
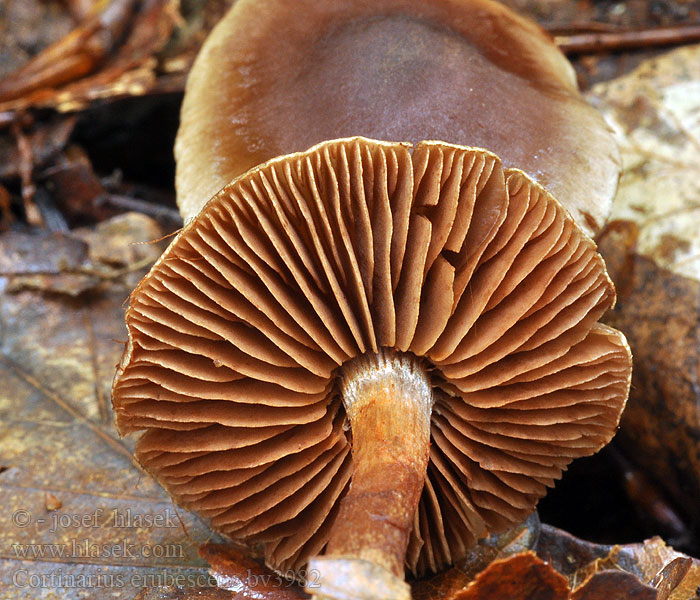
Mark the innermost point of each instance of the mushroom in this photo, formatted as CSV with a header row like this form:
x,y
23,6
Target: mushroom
x,y
369,355
276,77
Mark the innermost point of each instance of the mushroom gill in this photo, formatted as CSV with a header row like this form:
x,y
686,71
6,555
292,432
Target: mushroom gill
x,y
313,269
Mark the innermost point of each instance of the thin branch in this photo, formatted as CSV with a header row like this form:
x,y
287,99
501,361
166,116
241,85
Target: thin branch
x,y
592,42
148,208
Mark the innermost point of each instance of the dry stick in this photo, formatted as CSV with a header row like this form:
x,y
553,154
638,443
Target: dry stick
x,y
26,167
604,41
151,209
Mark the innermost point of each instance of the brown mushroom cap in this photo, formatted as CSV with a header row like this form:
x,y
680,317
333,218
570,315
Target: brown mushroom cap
x,y
276,77
239,332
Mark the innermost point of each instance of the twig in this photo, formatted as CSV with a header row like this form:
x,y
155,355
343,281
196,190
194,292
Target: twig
x,y
6,217
26,167
148,208
53,219
604,41
581,27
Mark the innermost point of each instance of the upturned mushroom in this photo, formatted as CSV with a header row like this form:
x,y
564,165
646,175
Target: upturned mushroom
x,y
276,77
365,356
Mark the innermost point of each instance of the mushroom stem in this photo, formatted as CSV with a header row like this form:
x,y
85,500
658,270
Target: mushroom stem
x,y
388,399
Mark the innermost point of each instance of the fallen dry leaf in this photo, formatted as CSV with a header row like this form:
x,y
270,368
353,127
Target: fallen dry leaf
x,y
668,579
654,112
116,531
652,248
28,26
92,62
110,54
46,261
520,577
651,569
618,572
567,567
519,539
76,190
689,587
84,260
605,585
45,139
525,576
564,567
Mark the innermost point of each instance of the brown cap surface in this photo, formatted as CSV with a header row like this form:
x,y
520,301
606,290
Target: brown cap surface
x,y
237,336
276,77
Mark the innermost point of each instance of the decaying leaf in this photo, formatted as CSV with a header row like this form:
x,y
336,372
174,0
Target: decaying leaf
x,y
568,567
604,585
654,111
129,48
30,146
84,260
109,54
688,588
668,579
79,519
45,141
652,249
124,241
519,539
520,577
48,261
28,26
76,190
650,571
